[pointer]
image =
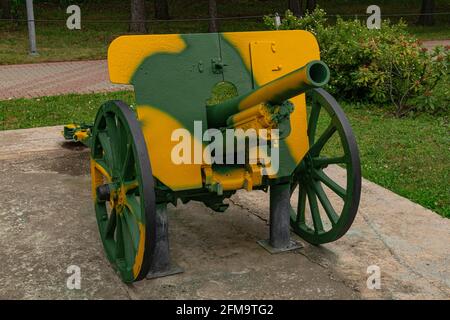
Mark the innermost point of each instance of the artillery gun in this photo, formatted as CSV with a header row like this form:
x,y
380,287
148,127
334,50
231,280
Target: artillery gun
x,y
188,87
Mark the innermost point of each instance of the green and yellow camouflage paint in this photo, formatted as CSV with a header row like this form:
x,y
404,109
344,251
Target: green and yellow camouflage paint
x,y
173,77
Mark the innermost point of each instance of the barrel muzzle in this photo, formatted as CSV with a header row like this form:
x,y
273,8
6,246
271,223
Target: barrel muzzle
x,y
318,73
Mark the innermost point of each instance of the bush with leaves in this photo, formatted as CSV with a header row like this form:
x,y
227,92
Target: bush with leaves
x,y
387,66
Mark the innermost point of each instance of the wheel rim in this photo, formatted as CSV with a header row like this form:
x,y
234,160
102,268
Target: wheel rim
x,y
123,190
310,182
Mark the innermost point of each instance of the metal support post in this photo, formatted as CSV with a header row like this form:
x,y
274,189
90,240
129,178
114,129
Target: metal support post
x,y
280,207
161,265
31,28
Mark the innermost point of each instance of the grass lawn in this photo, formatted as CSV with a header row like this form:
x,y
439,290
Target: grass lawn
x,y
408,156
430,33
56,43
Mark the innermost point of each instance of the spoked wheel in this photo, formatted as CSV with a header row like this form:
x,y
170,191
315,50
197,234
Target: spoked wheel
x,y
331,141
123,190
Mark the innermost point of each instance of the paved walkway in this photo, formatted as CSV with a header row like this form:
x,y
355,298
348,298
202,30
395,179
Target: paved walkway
x,y
430,44
55,78
41,174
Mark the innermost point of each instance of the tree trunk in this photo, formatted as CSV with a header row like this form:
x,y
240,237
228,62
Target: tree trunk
x,y
161,10
311,5
426,17
138,16
212,6
296,7
5,6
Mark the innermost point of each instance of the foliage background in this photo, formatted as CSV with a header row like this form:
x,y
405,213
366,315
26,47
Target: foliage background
x,y
387,67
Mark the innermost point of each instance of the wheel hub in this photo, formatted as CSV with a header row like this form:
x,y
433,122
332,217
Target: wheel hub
x,y
103,192
115,193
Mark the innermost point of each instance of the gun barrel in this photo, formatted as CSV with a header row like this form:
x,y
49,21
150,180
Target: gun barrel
x,y
313,75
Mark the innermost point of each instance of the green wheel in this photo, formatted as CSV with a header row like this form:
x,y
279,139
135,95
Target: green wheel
x,y
123,190
313,216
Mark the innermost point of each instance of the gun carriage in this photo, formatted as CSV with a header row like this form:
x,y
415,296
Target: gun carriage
x,y
258,81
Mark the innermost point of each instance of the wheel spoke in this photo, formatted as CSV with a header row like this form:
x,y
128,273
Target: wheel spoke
x,y
301,206
315,214
128,170
131,186
312,123
107,149
120,254
123,143
320,143
132,227
128,243
111,124
331,213
111,226
320,175
114,138
293,186
134,207
102,167
320,162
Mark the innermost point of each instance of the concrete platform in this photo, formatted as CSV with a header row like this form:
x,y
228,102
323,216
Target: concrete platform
x,y
47,223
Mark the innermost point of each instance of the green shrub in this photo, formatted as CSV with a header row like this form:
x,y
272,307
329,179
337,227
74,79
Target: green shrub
x,y
386,66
